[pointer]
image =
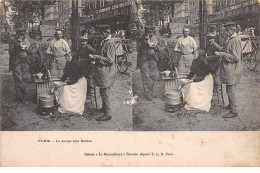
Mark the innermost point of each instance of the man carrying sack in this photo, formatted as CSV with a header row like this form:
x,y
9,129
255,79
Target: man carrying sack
x,y
60,51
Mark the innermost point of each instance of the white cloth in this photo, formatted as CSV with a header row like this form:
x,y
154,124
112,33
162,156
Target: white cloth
x,y
198,95
71,98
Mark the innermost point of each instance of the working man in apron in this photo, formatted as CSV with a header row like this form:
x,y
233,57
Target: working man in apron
x,y
18,50
148,62
188,49
60,51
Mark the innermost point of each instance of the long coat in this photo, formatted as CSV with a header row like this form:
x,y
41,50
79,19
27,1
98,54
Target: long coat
x,y
145,52
17,54
105,67
231,64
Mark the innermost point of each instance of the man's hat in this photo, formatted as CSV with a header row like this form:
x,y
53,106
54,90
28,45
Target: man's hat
x,y
84,37
230,26
202,54
210,35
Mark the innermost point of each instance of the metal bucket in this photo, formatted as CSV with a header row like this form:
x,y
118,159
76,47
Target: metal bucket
x,y
173,101
173,98
46,101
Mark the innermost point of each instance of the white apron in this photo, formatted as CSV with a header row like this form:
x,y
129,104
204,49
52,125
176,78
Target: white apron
x,y
71,98
198,95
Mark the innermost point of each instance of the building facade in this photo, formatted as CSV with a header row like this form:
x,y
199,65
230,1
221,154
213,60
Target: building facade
x,y
116,13
51,12
188,11
65,11
242,12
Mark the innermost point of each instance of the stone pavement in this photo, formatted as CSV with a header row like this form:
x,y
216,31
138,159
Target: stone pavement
x,y
151,116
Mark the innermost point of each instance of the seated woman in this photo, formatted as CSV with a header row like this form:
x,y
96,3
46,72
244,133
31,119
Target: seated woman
x,y
72,96
199,91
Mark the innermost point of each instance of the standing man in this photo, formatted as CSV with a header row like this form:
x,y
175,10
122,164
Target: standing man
x,y
83,56
105,70
187,47
148,61
60,51
231,68
213,62
18,50
218,38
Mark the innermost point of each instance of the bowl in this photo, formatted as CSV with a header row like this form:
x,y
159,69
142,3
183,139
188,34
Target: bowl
x,y
39,75
167,73
59,83
23,46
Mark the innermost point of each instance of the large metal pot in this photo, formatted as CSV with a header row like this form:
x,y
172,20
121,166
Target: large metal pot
x,y
173,97
46,101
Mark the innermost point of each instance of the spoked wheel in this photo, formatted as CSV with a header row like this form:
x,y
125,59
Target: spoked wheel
x,y
250,60
122,65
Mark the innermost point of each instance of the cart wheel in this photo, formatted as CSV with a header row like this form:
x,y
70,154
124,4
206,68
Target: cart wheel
x,y
122,63
251,60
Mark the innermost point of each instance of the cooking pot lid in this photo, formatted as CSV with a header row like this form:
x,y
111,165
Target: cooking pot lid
x,y
45,95
173,92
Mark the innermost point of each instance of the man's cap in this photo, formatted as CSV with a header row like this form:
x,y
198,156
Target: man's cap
x,y
20,30
104,27
230,26
58,30
149,27
213,28
210,35
84,31
134,28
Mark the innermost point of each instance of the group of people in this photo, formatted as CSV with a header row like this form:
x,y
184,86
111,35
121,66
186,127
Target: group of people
x,y
92,64
95,65
206,70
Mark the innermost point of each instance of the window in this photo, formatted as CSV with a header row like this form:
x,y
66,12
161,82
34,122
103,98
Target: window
x,y
82,2
186,7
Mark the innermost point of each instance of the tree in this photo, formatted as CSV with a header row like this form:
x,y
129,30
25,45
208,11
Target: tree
x,y
28,11
3,20
157,10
